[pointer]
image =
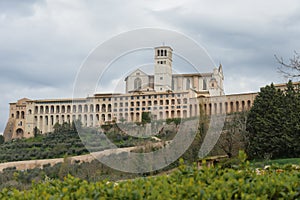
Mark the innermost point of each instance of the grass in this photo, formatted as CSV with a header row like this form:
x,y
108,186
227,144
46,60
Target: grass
x,y
285,161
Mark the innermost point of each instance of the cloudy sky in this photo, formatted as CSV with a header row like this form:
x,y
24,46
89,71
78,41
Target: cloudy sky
x,y
44,43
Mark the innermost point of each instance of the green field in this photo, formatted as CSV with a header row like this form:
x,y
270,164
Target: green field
x,y
281,162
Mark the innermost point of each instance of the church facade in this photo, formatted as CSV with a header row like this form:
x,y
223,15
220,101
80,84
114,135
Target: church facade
x,y
162,94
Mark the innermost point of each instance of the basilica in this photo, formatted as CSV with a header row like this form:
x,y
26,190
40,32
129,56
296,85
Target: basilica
x,y
163,95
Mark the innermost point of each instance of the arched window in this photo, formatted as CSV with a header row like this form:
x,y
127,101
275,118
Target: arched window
x,y
204,85
158,53
137,84
22,114
165,53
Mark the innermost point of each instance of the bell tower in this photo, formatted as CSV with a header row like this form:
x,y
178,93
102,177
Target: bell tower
x,y
163,69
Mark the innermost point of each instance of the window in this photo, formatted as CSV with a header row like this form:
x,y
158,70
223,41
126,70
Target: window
x,y
204,85
161,78
137,84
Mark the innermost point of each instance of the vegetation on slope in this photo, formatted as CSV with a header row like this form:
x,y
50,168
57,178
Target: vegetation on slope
x,y
63,141
184,183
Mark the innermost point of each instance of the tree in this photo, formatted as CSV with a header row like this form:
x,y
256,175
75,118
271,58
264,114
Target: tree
x,y
36,132
146,117
273,123
232,138
1,139
290,69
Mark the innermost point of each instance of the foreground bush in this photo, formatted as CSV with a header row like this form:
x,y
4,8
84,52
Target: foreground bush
x,y
185,183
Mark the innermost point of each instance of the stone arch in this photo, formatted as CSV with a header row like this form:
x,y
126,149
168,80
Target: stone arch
x,y
52,109
80,108
137,115
178,114
243,105
74,108
18,114
63,109
57,119
57,109
103,108
91,108
131,116
52,120
85,108
68,109
231,107
19,132
215,108
97,108
237,106
249,104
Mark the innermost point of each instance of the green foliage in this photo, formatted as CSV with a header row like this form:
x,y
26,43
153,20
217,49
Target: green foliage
x,y
274,123
146,117
185,183
232,138
64,140
1,139
176,121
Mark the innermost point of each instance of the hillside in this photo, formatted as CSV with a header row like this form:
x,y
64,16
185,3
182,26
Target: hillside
x,y
64,141
184,183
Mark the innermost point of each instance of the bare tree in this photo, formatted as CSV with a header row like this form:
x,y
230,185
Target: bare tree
x,y
233,137
290,68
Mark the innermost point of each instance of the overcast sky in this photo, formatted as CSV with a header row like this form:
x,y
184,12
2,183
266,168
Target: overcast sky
x,y
43,43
